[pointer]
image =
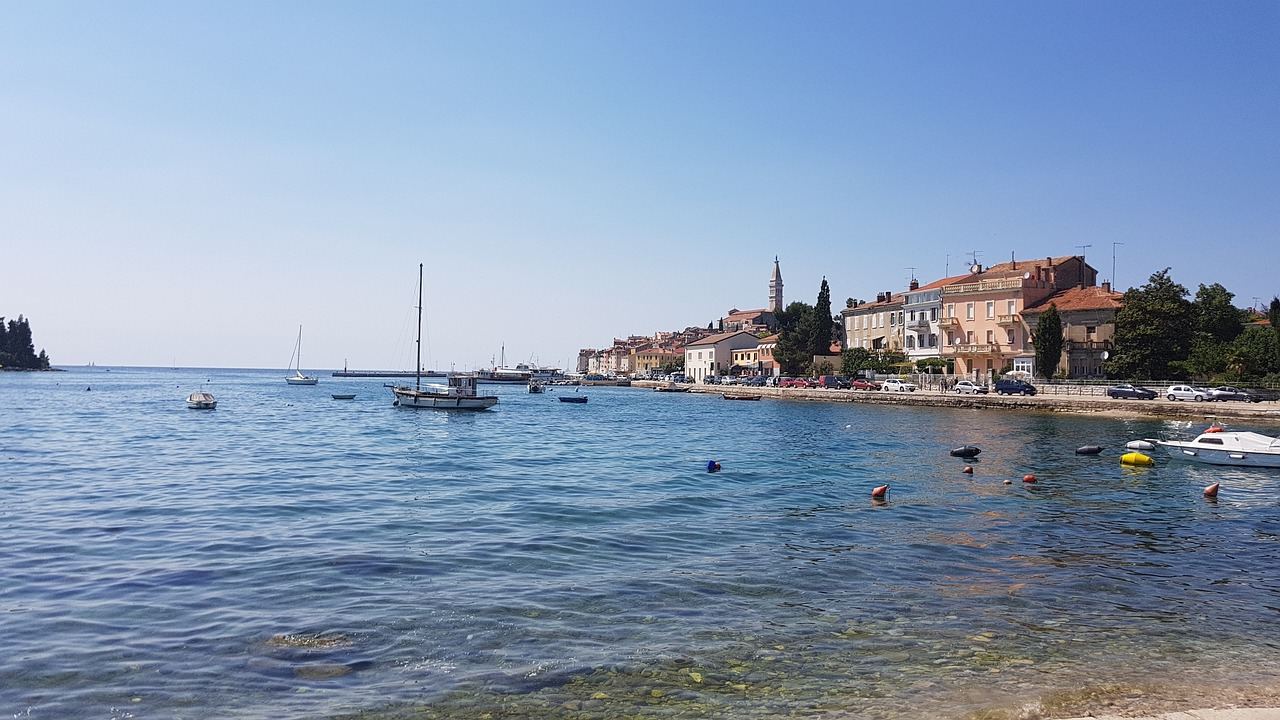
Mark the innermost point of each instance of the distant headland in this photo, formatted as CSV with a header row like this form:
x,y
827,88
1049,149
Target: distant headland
x,y
17,352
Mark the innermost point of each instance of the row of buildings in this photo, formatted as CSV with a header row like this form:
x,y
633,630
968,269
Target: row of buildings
x,y
982,322
979,324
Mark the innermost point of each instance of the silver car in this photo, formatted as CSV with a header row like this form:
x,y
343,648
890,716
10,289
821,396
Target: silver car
x,y
1185,392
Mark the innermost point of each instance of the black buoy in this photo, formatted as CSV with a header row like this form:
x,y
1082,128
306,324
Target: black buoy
x,y
713,466
965,451
1089,450
88,389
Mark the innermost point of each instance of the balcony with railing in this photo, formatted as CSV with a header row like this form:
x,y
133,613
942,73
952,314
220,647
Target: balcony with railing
x,y
1014,319
1013,283
1087,345
972,349
948,323
919,324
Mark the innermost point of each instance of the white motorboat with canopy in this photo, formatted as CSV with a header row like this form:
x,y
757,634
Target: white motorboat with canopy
x,y
1217,447
201,401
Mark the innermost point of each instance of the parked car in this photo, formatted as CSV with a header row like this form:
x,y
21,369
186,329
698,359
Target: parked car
x,y
969,387
1264,395
834,382
1226,392
1185,392
791,382
679,378
1133,392
773,381
1011,386
711,380
863,384
754,381
728,380
896,385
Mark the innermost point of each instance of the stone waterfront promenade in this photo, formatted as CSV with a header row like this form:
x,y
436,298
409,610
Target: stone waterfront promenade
x,y
1268,412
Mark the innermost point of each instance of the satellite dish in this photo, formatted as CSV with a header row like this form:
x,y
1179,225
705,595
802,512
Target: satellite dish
x,y
1026,276
975,268
1106,354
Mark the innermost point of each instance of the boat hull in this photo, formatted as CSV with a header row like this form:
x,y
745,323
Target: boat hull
x,y
440,401
302,380
1219,456
203,405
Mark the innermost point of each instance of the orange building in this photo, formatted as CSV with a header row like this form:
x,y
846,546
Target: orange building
x,y
982,325
1088,316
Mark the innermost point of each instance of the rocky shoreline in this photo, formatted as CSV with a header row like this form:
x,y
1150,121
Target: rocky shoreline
x,y
1267,412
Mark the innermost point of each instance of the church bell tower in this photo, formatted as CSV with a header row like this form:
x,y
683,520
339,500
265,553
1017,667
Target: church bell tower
x,y
775,288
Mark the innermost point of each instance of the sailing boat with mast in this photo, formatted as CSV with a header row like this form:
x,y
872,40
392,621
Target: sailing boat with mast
x,y
459,394
297,378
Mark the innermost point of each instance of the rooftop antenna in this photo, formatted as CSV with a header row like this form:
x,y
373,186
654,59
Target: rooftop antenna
x,y
974,254
913,273
1257,303
1114,285
947,272
1082,249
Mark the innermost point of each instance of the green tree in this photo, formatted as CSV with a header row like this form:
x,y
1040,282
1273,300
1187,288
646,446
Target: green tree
x,y
1152,330
1273,314
1214,313
848,302
1255,352
795,339
931,365
855,359
1048,342
821,341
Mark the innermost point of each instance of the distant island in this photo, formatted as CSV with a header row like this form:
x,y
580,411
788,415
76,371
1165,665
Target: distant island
x,y
17,352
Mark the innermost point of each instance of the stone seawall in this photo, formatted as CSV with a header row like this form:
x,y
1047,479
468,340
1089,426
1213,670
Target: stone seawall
x,y
1268,412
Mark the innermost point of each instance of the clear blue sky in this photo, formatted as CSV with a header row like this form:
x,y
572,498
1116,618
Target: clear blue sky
x,y
191,181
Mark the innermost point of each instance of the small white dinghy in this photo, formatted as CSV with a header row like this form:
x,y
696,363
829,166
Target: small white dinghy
x,y
1215,447
201,401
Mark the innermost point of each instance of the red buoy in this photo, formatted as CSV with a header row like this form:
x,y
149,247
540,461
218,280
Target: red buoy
x,y
1028,478
878,493
1214,428
968,470
1211,491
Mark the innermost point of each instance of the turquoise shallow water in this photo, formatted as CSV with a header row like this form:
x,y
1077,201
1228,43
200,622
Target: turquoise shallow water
x,y
289,555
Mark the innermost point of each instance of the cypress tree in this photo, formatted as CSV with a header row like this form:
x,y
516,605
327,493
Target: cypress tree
x,y
1048,342
821,342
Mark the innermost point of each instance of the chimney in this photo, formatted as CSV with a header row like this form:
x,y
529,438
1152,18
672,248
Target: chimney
x,y
1106,286
915,284
879,297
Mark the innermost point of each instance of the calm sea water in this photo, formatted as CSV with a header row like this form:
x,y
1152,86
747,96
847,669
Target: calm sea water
x,y
291,556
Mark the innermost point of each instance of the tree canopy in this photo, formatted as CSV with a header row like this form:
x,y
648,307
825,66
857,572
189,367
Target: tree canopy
x,y
795,338
1152,330
1048,342
17,349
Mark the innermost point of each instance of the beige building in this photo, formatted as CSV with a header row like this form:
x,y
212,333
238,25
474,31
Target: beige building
x,y
1088,317
714,355
875,325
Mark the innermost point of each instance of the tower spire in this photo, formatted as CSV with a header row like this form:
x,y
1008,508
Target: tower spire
x,y
775,287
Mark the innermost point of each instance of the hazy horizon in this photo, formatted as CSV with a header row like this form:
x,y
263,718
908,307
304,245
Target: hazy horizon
x,y
187,184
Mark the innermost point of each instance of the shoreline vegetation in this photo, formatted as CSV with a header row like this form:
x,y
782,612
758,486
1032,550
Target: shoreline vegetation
x,y
1268,412
17,351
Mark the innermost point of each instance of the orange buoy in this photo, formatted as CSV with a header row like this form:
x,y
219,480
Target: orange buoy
x,y
1214,428
1211,491
879,493
1028,478
968,470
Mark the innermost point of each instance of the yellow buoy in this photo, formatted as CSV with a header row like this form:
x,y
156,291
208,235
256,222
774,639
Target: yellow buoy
x,y
1136,458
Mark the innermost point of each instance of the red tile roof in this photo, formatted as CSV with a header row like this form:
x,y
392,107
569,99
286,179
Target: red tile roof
x,y
1077,298
713,339
940,283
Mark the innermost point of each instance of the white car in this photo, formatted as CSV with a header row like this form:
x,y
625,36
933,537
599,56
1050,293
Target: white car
x,y
969,387
1185,392
896,385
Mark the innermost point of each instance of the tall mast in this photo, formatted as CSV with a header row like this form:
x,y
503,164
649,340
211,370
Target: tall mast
x,y
299,349
417,369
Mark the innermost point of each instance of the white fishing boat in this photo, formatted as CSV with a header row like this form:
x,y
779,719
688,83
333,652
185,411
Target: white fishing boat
x,y
1216,447
458,394
297,378
536,387
201,401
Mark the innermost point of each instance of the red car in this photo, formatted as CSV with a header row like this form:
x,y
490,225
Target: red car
x,y
860,384
794,383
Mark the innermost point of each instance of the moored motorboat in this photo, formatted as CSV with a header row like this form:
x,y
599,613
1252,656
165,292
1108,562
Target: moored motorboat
x,y
201,401
344,396
740,397
573,398
536,387
671,387
1239,449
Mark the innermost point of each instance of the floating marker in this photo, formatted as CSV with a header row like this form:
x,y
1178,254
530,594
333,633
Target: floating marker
x,y
1028,478
1089,450
965,451
713,466
1008,482
1136,458
1140,445
879,493
1211,491
968,470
